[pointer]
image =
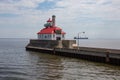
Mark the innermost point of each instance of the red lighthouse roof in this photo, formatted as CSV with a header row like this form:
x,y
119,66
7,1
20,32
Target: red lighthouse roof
x,y
50,30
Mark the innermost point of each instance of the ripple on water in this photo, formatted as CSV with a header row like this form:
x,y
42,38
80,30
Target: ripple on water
x,y
18,64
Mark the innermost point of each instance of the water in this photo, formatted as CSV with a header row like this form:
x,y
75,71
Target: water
x,y
18,64
105,43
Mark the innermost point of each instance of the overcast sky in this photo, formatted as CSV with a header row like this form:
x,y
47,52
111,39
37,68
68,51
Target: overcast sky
x,y
24,18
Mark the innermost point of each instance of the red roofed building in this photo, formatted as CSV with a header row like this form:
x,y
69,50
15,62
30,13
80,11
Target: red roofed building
x,y
51,31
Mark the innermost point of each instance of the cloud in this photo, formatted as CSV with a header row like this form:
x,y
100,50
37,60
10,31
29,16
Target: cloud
x,y
71,14
96,8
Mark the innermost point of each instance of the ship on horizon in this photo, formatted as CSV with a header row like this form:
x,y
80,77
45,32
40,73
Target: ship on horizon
x,y
80,37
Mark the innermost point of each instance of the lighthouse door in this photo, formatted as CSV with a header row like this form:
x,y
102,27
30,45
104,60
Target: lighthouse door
x,y
58,38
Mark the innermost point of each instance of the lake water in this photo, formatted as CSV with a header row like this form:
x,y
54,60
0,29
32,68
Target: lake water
x,y
18,64
105,43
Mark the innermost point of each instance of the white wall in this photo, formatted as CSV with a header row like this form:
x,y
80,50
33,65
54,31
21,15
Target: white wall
x,y
44,36
50,36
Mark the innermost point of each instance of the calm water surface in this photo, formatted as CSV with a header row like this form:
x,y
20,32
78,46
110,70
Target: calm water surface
x,y
18,64
105,43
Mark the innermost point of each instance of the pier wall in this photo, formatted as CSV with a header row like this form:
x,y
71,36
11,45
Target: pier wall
x,y
109,56
52,43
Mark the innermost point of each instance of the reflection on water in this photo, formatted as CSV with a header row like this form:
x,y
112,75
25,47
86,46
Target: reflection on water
x,y
18,64
46,66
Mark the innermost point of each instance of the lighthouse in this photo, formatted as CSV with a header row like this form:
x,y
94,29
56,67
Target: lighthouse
x,y
51,31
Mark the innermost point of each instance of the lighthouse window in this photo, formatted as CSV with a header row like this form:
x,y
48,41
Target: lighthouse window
x,y
48,35
53,35
41,36
45,36
63,36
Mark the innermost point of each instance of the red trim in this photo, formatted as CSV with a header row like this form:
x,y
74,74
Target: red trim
x,y
50,30
49,20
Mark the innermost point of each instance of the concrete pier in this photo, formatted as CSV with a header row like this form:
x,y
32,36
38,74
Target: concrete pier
x,y
109,56
51,43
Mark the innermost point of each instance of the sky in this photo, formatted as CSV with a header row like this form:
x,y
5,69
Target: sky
x,y
24,18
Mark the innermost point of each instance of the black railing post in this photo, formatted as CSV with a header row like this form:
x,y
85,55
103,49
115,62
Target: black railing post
x,y
107,56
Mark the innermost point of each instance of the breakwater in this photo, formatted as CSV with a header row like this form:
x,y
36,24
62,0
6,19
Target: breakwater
x,y
109,56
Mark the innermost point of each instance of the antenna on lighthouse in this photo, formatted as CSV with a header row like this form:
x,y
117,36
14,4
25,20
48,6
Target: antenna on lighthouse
x,y
53,20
